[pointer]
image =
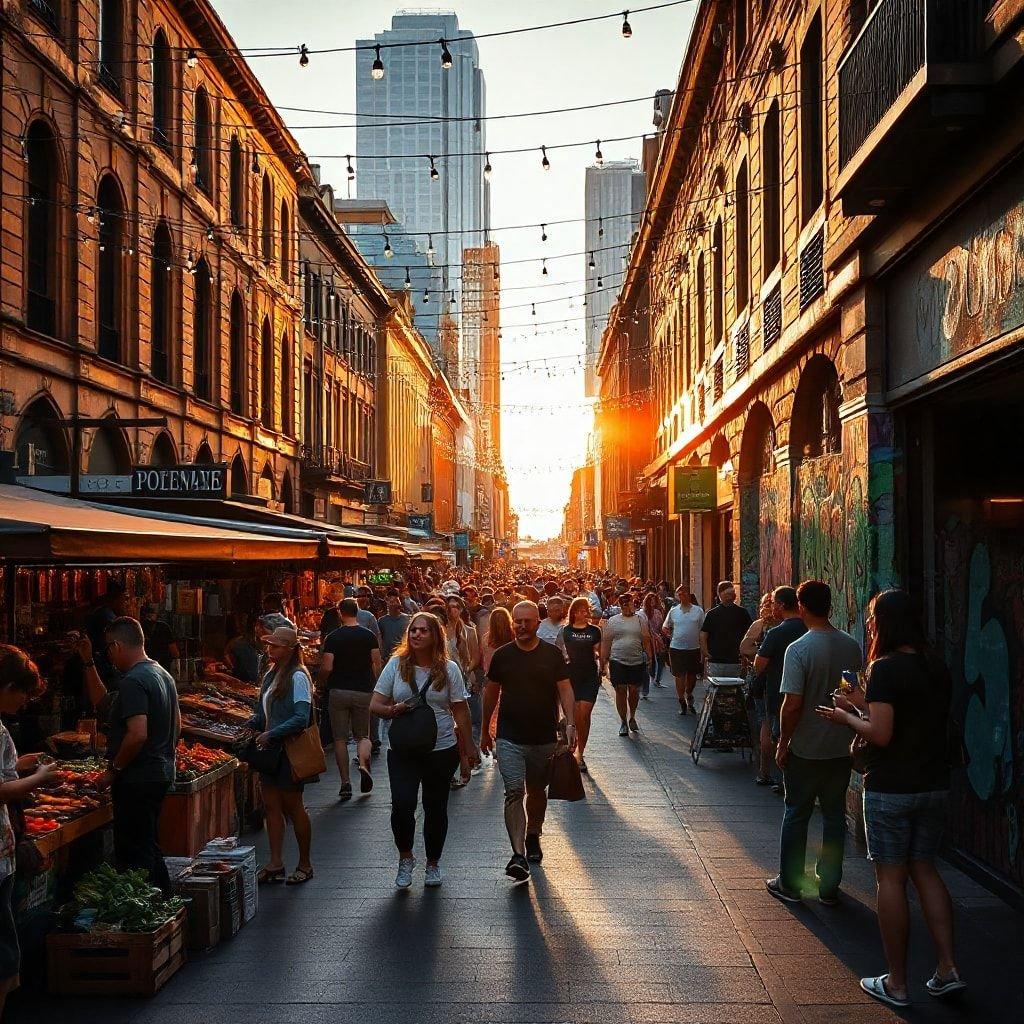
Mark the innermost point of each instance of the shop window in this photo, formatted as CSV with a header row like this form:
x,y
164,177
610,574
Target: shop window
x,y
267,220
163,92
267,376
742,250
236,184
40,442
41,219
237,368
111,45
771,190
204,454
201,332
811,154
162,276
203,155
286,243
287,386
109,275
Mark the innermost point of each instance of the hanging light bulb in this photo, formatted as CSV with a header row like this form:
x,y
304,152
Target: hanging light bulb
x,y
408,279
451,301
543,232
600,283
303,56
497,275
431,252
600,227
209,234
446,57
533,309
377,67
591,265
627,29
545,162
599,156
487,168
388,251
192,59
194,162
544,267
90,214
349,169
255,162
426,297
433,170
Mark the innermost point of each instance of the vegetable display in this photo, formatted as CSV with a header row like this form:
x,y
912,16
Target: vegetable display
x,y
74,789
109,900
195,760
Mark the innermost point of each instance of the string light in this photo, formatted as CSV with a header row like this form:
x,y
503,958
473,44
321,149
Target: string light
x,y
446,57
627,29
451,301
591,264
303,56
487,168
533,309
209,234
545,162
408,279
255,162
194,162
90,214
431,252
388,251
192,59
599,156
544,267
600,227
377,67
349,169
426,297
543,232
433,170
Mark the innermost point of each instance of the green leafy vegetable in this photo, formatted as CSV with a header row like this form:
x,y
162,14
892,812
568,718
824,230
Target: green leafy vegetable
x,y
122,901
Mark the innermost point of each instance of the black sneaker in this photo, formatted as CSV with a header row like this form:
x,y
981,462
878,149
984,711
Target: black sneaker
x,y
365,780
345,792
518,868
534,853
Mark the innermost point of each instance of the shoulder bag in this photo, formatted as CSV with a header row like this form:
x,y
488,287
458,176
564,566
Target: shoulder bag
x,y
305,750
415,731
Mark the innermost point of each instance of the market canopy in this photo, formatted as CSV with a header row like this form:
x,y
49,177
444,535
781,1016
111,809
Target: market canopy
x,y
39,526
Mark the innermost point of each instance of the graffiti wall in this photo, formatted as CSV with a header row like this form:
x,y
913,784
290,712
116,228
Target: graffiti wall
x,y
980,621
750,546
776,544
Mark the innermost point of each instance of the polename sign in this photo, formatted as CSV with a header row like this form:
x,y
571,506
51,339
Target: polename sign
x,y
196,481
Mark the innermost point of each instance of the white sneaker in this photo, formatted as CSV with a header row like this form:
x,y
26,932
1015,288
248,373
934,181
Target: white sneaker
x,y
404,877
433,876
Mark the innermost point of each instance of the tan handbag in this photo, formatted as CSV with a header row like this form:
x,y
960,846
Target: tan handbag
x,y
305,752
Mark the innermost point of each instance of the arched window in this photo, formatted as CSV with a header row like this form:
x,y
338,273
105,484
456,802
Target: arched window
x,y
287,386
109,454
771,190
742,253
266,485
42,242
201,333
111,23
237,368
718,285
202,158
267,376
204,454
267,220
286,243
239,477
163,453
109,276
237,184
816,428
163,91
161,280
40,442
287,493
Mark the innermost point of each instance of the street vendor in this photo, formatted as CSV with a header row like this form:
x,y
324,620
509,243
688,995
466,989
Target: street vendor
x,y
142,731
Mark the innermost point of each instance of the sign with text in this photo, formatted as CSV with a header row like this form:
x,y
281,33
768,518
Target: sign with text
x,y
424,522
590,539
616,527
377,492
694,489
198,481
460,541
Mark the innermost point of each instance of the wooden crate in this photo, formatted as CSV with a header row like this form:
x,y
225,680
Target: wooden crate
x,y
198,811
115,963
203,912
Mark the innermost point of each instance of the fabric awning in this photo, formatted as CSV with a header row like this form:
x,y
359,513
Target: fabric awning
x,y
39,526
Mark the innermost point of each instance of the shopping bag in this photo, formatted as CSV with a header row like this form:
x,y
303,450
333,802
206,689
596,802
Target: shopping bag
x,y
566,782
306,754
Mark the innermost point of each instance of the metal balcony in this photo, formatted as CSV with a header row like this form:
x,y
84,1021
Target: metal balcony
x,y
911,80
328,463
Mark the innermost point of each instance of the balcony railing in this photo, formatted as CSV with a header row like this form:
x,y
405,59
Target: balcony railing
x,y
900,38
330,461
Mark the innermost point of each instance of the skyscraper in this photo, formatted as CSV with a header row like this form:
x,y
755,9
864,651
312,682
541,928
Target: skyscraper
x,y
613,203
419,110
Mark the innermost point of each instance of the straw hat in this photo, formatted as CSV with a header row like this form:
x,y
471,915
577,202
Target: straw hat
x,y
283,636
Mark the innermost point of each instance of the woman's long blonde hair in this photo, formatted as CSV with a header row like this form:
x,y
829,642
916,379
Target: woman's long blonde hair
x,y
438,653
499,628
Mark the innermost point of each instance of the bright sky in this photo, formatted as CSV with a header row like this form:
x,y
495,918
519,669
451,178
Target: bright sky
x,y
546,418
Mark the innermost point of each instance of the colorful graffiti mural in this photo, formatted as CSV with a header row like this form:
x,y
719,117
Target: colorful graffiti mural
x,y
980,608
776,547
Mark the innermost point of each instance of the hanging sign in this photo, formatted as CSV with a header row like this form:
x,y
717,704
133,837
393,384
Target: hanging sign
x,y
694,489
424,521
377,492
197,481
616,526
460,541
591,539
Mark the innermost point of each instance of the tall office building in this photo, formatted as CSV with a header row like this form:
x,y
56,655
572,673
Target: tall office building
x,y
613,203
419,110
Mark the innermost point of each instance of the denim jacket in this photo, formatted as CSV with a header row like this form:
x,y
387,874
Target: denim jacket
x,y
288,716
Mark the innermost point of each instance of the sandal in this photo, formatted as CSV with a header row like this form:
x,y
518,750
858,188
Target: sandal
x,y
875,987
270,876
299,877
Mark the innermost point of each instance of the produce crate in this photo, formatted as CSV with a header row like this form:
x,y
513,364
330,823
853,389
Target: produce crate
x,y
197,811
115,963
71,830
232,901
203,912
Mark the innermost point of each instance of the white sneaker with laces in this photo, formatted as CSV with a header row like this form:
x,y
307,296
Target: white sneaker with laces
x,y
433,876
404,877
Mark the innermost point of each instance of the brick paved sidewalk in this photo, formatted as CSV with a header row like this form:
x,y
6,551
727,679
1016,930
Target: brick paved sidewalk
x,y
649,907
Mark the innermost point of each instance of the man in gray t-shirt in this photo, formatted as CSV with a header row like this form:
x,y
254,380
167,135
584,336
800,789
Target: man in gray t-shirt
x,y
813,753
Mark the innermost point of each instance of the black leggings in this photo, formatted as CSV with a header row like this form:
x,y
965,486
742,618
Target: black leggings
x,y
434,771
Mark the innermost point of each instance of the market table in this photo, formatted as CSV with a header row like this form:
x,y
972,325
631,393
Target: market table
x,y
196,811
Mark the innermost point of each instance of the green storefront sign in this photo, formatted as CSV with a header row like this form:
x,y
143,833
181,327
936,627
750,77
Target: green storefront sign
x,y
694,489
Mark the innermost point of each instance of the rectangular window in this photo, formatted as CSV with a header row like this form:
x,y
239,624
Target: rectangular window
x,y
771,191
811,156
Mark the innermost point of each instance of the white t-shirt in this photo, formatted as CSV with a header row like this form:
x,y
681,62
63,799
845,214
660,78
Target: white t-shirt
x,y
685,625
391,684
551,633
626,633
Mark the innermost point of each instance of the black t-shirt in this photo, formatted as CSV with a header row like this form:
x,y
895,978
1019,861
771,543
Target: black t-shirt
x,y
146,689
726,625
352,647
773,647
529,695
579,646
917,757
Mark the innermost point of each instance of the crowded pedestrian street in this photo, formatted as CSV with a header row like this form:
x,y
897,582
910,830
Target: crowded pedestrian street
x,y
649,907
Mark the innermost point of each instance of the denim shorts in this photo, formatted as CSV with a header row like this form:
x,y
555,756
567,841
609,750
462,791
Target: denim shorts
x,y
902,827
